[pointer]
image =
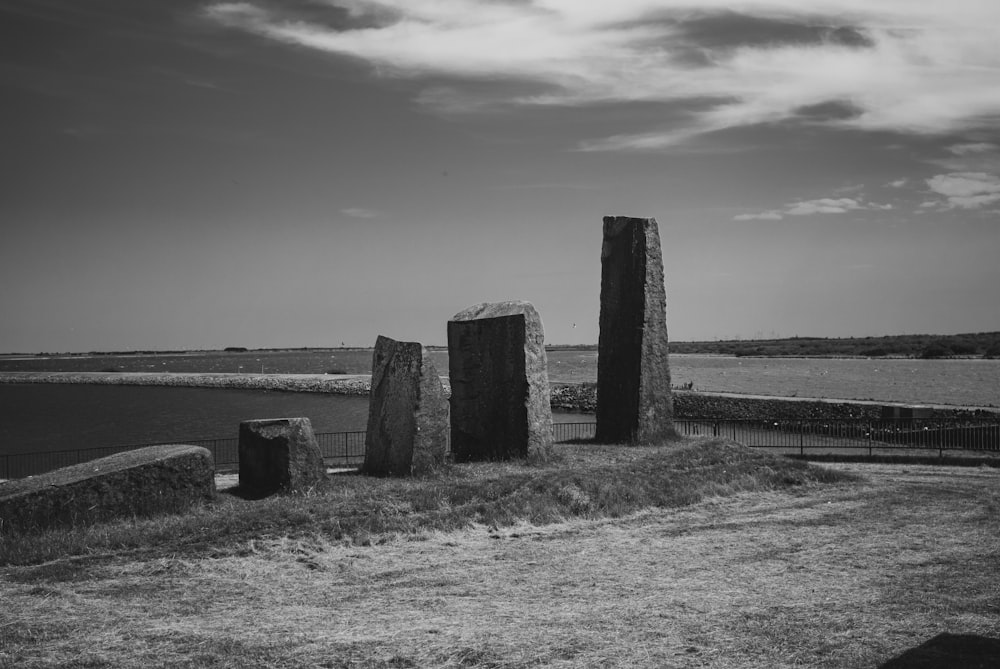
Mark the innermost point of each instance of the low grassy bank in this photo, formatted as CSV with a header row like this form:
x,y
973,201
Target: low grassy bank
x,y
581,481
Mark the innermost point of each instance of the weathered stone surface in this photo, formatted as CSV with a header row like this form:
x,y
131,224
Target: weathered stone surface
x,y
499,383
140,482
634,402
407,412
279,455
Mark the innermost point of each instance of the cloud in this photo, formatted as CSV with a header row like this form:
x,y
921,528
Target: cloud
x,y
898,183
772,215
966,190
878,65
976,147
359,212
825,205
970,157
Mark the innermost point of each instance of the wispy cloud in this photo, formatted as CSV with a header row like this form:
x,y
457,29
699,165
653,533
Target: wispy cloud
x,y
973,147
824,205
896,65
898,183
359,212
770,215
970,157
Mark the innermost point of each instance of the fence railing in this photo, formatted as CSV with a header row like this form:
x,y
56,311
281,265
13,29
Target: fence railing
x,y
347,449
836,436
339,449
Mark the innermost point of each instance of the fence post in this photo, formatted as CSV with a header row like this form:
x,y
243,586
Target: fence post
x,y
802,440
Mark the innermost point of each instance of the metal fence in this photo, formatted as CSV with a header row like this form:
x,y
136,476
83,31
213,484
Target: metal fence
x,y
347,449
882,437
339,449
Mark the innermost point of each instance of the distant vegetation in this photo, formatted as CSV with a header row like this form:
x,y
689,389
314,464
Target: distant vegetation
x,y
979,344
984,344
49,354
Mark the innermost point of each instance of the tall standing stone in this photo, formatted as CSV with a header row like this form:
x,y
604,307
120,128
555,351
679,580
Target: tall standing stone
x,y
279,455
634,402
499,383
407,411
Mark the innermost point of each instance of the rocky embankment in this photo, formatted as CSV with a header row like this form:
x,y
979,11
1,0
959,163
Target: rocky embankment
x,y
335,384
689,404
566,397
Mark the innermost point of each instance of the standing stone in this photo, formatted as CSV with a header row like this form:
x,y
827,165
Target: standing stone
x,y
279,455
499,383
634,403
407,412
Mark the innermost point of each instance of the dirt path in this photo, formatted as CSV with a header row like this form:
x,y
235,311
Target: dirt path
x,y
837,576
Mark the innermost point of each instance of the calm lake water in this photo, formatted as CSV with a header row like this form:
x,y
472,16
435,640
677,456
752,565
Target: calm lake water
x,y
55,417
957,382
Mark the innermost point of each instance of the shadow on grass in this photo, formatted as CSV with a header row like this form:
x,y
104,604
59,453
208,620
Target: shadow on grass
x,y
254,495
948,651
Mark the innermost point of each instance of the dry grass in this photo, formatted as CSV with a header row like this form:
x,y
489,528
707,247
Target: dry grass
x,y
579,481
823,576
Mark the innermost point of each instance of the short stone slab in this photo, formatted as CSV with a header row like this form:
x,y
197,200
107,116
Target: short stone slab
x,y
499,383
407,412
279,455
140,482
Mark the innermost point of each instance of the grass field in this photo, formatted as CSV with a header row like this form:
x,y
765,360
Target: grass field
x,y
698,555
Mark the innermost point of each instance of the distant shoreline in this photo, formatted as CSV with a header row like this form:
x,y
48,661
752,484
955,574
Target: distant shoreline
x,y
977,345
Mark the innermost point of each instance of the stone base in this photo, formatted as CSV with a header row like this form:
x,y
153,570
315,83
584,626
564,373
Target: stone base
x,y
408,413
499,383
279,455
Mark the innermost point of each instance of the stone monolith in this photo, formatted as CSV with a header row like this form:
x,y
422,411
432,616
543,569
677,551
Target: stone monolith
x,y
407,412
279,455
143,481
499,383
634,402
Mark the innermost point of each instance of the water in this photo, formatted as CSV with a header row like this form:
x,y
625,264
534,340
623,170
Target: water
x,y
54,417
956,382
959,382
65,416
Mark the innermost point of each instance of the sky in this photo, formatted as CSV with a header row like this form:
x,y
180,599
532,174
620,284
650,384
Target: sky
x,y
197,174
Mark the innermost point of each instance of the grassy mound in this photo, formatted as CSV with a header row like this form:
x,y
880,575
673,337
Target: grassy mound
x,y
581,481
